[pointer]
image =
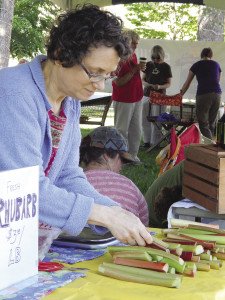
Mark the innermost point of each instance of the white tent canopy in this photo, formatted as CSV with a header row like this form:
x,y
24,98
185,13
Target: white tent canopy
x,y
68,4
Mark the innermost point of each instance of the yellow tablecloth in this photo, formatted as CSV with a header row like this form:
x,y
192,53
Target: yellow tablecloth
x,y
204,286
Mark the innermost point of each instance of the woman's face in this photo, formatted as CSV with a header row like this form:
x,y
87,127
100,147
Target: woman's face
x,y
134,43
75,82
157,59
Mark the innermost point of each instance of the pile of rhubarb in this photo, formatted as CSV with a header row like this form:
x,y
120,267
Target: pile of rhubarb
x,y
186,248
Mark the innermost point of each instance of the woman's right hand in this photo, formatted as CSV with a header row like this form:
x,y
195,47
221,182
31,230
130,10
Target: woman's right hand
x,y
124,225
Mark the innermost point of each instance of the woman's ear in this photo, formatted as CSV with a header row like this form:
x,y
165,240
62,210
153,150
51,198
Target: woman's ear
x,y
106,157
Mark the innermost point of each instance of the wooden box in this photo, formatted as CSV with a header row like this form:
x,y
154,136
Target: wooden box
x,y
204,176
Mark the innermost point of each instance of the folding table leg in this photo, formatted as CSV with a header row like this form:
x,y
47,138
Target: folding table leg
x,y
159,141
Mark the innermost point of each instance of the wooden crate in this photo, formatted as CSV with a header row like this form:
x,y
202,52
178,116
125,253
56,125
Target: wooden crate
x,y
204,176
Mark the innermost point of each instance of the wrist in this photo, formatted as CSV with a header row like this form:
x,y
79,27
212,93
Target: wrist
x,y
100,215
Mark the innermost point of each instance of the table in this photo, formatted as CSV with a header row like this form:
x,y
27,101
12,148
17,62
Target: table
x,y
196,213
205,286
94,111
182,122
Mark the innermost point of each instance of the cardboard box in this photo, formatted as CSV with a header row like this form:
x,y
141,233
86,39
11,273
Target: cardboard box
x,y
19,195
204,176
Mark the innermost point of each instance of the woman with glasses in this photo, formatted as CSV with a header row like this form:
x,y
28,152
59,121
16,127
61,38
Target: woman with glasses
x,y
157,77
40,115
127,95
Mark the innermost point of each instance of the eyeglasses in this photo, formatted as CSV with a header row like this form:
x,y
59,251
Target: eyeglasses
x,y
95,77
155,57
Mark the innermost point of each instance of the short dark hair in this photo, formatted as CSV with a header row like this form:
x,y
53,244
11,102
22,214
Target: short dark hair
x,y
94,154
82,28
206,52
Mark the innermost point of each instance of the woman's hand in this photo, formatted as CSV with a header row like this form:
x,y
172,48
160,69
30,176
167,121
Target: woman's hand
x,y
128,228
124,225
156,87
136,68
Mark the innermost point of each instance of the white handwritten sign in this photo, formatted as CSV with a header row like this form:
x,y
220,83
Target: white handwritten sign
x,y
19,195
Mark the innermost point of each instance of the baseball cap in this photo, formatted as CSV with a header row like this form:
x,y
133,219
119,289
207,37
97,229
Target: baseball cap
x,y
106,137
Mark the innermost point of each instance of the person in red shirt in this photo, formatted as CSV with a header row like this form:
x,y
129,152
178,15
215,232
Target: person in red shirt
x,y
127,95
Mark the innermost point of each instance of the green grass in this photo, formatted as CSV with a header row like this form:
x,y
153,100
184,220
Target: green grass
x,y
142,175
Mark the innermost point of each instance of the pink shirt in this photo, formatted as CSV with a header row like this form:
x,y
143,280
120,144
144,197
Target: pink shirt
x,y
120,189
57,125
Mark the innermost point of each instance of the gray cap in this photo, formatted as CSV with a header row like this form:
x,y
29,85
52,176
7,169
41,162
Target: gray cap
x,y
106,137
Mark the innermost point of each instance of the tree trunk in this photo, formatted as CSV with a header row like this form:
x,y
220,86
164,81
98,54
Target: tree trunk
x,y
211,25
6,17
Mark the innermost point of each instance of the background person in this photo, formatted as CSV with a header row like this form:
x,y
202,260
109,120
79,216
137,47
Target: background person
x,y
102,153
157,77
127,94
22,61
208,96
81,54
163,192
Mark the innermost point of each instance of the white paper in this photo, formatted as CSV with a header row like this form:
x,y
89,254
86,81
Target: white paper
x,y
19,195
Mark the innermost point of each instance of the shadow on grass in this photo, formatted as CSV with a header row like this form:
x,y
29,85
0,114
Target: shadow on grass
x,y
143,175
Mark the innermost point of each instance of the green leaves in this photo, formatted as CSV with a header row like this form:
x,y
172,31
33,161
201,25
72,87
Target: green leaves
x,y
31,22
162,20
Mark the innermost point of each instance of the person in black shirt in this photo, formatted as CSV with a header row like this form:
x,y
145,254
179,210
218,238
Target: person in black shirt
x,y
157,77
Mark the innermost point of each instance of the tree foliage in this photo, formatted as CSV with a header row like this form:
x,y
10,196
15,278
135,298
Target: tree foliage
x,y
211,25
175,21
31,22
6,15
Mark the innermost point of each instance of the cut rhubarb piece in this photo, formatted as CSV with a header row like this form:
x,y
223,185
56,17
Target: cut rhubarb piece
x,y
219,248
196,249
207,238
203,266
172,263
191,265
190,271
165,231
200,227
156,266
152,252
183,223
139,271
156,246
193,231
206,245
172,270
173,246
195,258
180,241
133,255
129,274
205,256
177,251
213,264
159,242
219,255
187,256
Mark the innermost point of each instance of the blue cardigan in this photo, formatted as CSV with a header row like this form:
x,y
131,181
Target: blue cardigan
x,y
66,197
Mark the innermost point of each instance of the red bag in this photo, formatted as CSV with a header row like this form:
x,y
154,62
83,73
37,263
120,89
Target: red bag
x,y
161,99
174,153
